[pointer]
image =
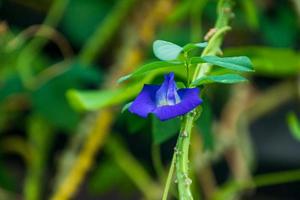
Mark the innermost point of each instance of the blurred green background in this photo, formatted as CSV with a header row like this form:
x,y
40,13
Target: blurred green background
x,y
59,142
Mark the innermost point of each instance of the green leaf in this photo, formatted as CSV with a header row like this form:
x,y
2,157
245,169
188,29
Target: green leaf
x,y
150,67
197,60
166,51
192,46
294,125
162,131
126,106
240,63
270,62
180,85
201,44
93,100
226,79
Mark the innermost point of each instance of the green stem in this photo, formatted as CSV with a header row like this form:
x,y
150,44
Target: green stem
x,y
183,142
212,48
221,26
187,76
169,178
276,178
232,188
40,137
187,66
182,158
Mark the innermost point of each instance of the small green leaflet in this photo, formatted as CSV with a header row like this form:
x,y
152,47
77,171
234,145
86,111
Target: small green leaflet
x,y
294,125
95,99
180,85
226,79
268,61
92,100
201,44
150,67
126,106
197,60
239,63
192,46
166,51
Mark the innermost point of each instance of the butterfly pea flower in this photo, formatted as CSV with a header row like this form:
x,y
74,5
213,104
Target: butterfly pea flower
x,y
165,101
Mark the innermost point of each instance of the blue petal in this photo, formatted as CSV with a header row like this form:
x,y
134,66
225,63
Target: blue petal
x,y
145,101
189,100
167,93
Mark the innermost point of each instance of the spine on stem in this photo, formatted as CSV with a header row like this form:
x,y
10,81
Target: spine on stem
x,y
182,159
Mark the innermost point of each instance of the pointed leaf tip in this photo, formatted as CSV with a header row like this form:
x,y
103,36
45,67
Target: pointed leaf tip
x,y
124,78
294,125
201,44
225,79
126,106
239,63
150,67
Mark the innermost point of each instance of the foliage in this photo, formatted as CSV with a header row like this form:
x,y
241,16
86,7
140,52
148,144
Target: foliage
x,y
63,84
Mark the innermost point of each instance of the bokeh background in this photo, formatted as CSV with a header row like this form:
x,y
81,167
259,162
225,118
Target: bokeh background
x,y
58,142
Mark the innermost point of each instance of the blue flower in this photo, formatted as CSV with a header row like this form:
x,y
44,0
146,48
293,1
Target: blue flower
x,y
165,101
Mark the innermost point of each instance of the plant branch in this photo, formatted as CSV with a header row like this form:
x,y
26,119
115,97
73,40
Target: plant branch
x,y
169,178
183,142
74,172
182,158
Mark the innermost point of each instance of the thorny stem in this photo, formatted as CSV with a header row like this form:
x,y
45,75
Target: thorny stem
x,y
182,158
182,148
98,130
211,49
